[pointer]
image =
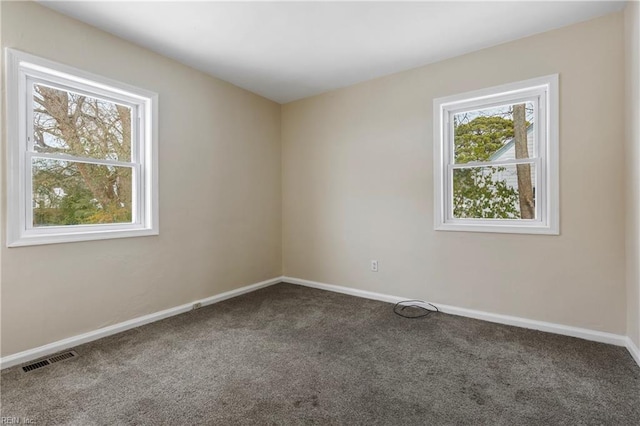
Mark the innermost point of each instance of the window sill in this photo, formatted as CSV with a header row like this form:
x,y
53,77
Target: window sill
x,y
535,229
70,237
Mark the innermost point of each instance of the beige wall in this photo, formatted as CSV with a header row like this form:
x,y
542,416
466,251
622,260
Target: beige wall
x,y
220,222
632,67
358,185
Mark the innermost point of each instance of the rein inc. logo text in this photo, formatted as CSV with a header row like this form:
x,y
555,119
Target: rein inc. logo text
x,y
17,421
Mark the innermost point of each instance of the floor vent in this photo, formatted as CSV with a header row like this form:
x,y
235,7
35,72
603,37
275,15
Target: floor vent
x,y
49,361
62,356
35,366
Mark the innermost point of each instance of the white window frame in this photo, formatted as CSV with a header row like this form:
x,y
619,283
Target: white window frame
x,y
22,70
543,92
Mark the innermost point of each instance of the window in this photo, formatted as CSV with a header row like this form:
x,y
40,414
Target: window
x,y
82,157
496,159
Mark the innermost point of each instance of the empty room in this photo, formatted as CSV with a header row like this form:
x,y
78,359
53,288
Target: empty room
x,y
394,213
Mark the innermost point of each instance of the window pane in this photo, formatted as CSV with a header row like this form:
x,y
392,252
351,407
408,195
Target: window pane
x,y
506,192
74,124
490,134
71,193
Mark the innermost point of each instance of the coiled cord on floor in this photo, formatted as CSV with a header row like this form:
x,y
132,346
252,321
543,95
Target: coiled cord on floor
x,y
399,308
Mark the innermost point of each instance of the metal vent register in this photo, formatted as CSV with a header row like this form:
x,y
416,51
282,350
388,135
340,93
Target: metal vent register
x,y
53,359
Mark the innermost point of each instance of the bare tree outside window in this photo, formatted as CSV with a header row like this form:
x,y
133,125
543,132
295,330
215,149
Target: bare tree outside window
x,y
67,192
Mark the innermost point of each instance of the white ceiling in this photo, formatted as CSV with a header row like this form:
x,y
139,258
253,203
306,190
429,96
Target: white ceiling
x,y
287,51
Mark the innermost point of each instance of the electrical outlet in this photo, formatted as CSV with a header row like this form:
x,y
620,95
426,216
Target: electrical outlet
x,y
196,305
374,266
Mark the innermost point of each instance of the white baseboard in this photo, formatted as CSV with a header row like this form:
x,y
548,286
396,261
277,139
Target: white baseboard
x,y
582,333
633,350
345,290
60,345
549,327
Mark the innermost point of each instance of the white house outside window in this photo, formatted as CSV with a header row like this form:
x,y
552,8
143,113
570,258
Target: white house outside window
x,y
82,155
496,159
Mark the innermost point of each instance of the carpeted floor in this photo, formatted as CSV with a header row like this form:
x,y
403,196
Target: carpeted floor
x,y
294,355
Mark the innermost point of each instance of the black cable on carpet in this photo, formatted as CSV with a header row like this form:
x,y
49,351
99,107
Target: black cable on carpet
x,y
419,311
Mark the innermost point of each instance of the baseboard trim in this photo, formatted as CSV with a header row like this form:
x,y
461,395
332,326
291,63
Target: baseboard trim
x,y
344,290
582,333
633,350
60,345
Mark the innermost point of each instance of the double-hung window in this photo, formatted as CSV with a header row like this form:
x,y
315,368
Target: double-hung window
x,y
82,155
496,159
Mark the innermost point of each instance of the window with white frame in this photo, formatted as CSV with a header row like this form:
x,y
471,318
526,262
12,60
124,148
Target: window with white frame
x,y
82,155
496,159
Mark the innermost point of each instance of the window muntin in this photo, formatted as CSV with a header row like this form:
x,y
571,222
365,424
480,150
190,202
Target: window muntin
x,y
82,155
496,159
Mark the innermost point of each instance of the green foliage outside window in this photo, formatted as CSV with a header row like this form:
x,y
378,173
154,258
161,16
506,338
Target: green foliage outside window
x,y
477,193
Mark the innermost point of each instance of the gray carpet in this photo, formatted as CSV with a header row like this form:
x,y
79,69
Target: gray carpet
x,y
294,355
